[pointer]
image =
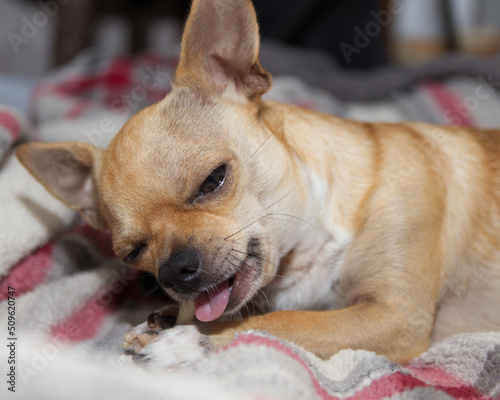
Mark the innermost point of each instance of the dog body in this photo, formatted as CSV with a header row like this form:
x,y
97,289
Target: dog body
x,y
329,233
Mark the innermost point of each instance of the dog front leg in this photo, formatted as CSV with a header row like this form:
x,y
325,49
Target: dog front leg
x,y
373,326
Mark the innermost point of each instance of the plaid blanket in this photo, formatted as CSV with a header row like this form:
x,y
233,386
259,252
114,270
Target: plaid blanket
x,y
66,301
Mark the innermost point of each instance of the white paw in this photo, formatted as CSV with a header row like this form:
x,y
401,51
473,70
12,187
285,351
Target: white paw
x,y
180,345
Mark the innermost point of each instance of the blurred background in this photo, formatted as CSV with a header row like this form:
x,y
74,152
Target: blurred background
x,y
38,35
356,50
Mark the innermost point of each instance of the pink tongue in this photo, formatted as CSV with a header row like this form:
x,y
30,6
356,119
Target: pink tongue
x,y
210,305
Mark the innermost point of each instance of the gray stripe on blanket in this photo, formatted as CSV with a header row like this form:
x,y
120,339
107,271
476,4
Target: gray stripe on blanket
x,y
488,381
369,369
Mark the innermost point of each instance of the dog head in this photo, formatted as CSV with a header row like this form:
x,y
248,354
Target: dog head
x,y
187,184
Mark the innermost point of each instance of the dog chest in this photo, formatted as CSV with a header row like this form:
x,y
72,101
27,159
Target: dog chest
x,y
310,280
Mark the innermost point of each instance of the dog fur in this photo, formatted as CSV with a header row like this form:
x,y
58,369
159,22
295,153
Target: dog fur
x,y
335,234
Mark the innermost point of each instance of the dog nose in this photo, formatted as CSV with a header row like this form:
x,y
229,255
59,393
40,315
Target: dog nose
x,y
182,272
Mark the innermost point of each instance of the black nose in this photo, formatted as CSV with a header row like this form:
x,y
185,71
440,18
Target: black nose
x,y
181,272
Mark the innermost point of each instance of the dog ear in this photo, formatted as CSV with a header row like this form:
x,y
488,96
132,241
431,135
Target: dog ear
x,y
67,171
220,48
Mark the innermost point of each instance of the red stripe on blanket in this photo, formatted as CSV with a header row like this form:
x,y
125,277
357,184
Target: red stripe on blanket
x,y
29,273
399,382
435,376
450,103
85,322
118,76
75,86
9,122
443,380
388,386
120,72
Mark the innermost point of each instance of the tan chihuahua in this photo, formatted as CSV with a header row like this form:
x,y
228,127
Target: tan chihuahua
x,y
329,233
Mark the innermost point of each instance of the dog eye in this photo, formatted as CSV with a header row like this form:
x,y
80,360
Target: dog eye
x,y
214,180
132,256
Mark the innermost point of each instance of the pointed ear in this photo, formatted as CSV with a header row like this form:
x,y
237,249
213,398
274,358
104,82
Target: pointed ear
x,y
220,47
67,171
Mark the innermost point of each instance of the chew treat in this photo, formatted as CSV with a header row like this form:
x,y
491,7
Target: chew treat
x,y
186,313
